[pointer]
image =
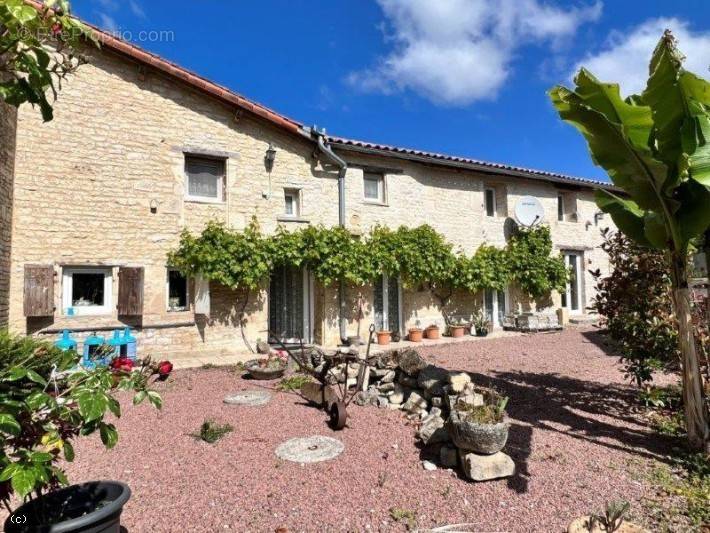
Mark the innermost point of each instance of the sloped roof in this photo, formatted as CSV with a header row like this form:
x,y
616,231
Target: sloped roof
x,y
228,96
463,162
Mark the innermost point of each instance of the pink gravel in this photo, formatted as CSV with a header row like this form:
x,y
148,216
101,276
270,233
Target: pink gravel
x,y
571,438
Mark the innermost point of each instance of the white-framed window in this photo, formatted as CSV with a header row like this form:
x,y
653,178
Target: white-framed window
x,y
87,291
489,195
374,187
204,179
177,291
292,203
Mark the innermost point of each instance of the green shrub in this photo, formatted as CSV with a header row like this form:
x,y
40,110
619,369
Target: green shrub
x,y
211,432
294,382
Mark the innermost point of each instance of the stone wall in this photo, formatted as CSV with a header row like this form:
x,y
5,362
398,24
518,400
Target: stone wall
x,y
86,183
8,118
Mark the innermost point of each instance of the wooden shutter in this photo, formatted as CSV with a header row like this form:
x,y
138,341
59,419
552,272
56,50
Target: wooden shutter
x,y
39,290
130,291
202,296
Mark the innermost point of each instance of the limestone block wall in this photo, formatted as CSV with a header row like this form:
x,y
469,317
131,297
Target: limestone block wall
x,y
103,184
8,119
87,180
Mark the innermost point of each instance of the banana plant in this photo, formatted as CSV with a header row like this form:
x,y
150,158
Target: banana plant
x,y
655,147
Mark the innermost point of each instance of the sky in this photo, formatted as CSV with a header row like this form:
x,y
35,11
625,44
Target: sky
x,y
462,77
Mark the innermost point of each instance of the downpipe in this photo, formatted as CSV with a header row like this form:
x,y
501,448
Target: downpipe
x,y
327,151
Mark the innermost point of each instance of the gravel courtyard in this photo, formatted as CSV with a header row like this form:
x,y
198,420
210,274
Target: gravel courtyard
x,y
572,437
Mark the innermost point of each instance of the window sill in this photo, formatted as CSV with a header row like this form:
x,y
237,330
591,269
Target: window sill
x,y
375,202
199,200
286,218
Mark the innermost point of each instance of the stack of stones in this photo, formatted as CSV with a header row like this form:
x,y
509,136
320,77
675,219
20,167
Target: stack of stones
x,y
428,395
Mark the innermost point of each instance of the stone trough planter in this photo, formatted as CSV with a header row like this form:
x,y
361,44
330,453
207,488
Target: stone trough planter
x,y
478,438
263,373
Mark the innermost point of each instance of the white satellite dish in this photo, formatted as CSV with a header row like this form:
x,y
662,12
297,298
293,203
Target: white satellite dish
x,y
529,211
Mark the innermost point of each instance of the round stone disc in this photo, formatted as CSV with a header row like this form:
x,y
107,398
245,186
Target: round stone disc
x,y
250,397
310,449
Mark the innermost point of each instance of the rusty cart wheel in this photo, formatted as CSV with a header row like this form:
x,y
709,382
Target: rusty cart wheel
x,y
338,416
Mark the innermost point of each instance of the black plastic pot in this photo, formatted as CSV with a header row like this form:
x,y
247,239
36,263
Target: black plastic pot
x,y
93,507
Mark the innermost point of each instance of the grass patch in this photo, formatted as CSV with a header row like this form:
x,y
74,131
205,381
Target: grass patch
x,y
405,516
293,383
671,424
211,432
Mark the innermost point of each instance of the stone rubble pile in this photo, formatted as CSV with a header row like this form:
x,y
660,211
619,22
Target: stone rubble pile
x,y
426,394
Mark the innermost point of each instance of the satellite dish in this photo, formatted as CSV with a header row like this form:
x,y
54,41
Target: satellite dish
x,y
529,211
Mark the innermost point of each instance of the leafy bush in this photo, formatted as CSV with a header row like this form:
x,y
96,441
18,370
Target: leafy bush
x,y
210,431
635,304
532,266
294,382
43,407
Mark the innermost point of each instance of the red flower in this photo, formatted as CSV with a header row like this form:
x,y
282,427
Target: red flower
x,y
56,28
123,364
164,369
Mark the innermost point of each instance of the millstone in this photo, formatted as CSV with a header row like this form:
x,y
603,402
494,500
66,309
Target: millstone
x,y
251,397
310,449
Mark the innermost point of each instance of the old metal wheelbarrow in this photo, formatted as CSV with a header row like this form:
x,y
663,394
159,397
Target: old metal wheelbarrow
x,y
328,392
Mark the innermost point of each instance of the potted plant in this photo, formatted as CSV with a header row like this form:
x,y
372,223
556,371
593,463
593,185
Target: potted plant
x,y
457,329
273,367
432,332
415,334
384,337
480,428
46,401
481,323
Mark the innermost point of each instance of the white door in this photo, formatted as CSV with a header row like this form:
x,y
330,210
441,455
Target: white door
x,y
496,306
572,297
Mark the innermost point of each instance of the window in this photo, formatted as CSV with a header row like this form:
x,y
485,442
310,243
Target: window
x,y
292,202
560,207
490,200
204,179
374,187
87,291
177,291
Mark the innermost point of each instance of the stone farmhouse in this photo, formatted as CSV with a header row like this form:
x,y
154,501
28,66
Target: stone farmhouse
x,y
140,148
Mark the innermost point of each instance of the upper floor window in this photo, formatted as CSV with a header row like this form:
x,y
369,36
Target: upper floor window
x,y
490,201
374,187
87,291
567,207
204,179
292,202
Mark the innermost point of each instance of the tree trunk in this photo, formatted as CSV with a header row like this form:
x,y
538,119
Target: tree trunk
x,y
696,415
706,249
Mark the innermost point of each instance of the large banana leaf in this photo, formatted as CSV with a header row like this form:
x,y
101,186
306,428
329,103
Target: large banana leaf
x,y
618,134
655,147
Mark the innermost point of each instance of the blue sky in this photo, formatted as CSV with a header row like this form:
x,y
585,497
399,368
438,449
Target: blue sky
x,y
464,77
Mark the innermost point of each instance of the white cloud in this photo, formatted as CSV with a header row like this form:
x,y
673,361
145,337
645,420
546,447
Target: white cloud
x,y
137,9
107,22
455,52
625,57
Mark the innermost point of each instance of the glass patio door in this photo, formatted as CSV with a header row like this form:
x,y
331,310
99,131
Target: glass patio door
x,y
496,306
572,297
388,315
290,304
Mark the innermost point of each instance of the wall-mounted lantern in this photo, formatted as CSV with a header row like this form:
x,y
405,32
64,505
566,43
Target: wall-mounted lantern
x,y
269,158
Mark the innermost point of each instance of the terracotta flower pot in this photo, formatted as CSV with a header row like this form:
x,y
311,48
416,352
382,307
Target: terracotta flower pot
x,y
384,337
415,335
432,332
456,331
